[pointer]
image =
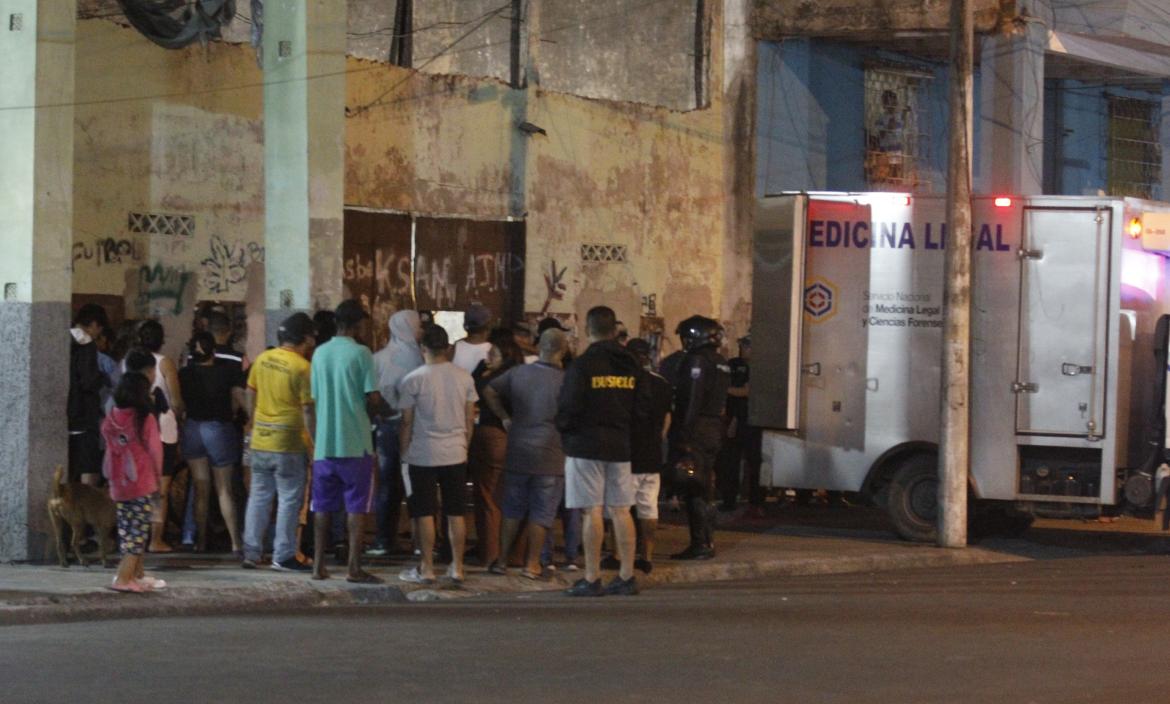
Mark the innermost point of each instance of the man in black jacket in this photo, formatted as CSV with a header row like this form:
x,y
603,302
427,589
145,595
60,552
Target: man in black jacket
x,y
596,410
700,394
86,382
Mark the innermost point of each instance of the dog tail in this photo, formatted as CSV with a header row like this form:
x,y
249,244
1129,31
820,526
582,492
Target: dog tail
x,y
58,487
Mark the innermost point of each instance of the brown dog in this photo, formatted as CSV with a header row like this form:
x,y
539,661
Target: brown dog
x,y
78,505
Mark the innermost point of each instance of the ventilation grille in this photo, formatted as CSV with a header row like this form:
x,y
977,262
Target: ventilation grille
x,y
159,224
603,253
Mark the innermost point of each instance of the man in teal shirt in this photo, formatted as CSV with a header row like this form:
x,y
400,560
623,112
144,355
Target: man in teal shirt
x,y
344,389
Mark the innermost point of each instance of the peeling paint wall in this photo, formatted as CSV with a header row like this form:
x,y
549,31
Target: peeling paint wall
x,y
649,179
652,184
183,139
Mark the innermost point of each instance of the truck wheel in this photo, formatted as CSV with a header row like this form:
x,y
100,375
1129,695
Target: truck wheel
x,y
913,498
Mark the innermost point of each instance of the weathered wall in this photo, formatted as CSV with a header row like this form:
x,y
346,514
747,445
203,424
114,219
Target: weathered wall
x,y
183,138
646,178
186,138
629,50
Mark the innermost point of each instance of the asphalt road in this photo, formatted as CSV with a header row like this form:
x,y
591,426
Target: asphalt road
x,y
1076,630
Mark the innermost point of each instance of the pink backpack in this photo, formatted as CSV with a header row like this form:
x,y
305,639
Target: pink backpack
x,y
128,464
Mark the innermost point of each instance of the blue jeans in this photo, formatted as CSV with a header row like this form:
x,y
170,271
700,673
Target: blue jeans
x,y
571,521
280,475
388,503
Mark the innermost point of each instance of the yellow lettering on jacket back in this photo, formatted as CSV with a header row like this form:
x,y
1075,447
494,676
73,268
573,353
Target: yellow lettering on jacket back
x,y
612,382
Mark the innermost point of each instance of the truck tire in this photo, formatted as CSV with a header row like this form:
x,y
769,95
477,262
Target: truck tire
x,y
913,498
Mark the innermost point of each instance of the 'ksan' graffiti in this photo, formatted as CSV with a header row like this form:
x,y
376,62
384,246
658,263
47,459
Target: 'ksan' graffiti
x,y
389,270
434,278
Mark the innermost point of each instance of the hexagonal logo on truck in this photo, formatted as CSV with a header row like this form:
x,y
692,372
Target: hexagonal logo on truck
x,y
820,300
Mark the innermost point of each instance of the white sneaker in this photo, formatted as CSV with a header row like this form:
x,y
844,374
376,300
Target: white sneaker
x,y
413,576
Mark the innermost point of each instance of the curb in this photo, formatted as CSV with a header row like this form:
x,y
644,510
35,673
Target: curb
x,y
297,595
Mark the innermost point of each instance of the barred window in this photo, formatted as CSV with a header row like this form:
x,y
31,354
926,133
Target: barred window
x,y
1134,153
895,140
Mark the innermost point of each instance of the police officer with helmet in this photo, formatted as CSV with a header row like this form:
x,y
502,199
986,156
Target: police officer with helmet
x,y
700,394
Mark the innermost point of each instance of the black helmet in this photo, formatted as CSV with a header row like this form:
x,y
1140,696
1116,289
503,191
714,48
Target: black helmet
x,y
698,332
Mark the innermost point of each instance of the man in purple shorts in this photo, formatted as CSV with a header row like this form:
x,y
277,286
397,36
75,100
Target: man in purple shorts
x,y
344,386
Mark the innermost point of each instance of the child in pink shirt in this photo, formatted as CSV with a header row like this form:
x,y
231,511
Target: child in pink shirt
x,y
133,467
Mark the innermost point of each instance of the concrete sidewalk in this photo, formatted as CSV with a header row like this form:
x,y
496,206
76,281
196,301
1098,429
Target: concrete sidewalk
x,y
787,543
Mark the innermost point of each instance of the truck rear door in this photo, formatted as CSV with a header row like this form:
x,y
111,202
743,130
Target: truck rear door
x,y
1064,266
778,255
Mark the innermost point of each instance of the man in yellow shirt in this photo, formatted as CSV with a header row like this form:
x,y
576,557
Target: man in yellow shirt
x,y
280,411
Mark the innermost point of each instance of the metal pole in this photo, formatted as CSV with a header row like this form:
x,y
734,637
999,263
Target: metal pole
x,y
954,450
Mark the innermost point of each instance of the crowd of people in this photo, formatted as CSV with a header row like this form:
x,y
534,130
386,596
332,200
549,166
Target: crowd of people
x,y
324,427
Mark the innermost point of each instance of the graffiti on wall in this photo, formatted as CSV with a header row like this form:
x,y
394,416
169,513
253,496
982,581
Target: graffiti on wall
x,y
554,285
163,288
102,251
227,263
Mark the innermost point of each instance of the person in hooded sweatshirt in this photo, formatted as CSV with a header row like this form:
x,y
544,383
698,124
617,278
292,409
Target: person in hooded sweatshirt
x,y
133,467
398,358
86,381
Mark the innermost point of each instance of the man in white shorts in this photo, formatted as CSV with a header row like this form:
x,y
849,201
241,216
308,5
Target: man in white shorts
x,y
646,451
599,403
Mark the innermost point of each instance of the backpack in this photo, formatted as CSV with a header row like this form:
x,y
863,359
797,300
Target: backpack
x,y
126,456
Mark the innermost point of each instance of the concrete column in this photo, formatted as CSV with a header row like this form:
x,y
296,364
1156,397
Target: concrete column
x,y
304,154
36,220
739,86
1011,106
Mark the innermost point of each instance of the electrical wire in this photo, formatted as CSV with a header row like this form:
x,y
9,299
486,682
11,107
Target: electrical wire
x,y
354,112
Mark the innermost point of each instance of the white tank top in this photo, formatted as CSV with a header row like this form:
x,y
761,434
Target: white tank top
x,y
168,423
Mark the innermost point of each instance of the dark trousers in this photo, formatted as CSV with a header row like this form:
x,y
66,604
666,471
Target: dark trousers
x,y
704,443
391,490
745,449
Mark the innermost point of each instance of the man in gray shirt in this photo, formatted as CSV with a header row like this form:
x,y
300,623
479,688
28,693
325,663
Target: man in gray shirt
x,y
437,401
534,467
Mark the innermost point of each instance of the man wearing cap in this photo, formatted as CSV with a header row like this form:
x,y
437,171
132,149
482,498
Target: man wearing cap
x,y
344,386
474,348
280,411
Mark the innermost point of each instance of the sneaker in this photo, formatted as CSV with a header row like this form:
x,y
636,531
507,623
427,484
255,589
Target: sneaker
x,y
413,576
248,564
610,562
645,565
291,565
622,587
376,550
583,587
570,567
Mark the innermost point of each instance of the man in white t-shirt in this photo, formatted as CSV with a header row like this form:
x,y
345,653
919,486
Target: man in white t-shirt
x,y
473,349
437,401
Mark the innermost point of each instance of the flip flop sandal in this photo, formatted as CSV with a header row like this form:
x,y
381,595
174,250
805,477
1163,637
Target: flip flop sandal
x,y
364,578
457,581
527,574
498,569
131,588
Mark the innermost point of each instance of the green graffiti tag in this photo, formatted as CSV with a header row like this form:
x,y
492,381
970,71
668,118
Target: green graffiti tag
x,y
165,284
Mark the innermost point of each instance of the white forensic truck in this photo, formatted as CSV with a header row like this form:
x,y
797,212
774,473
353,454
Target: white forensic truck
x,y
1068,362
